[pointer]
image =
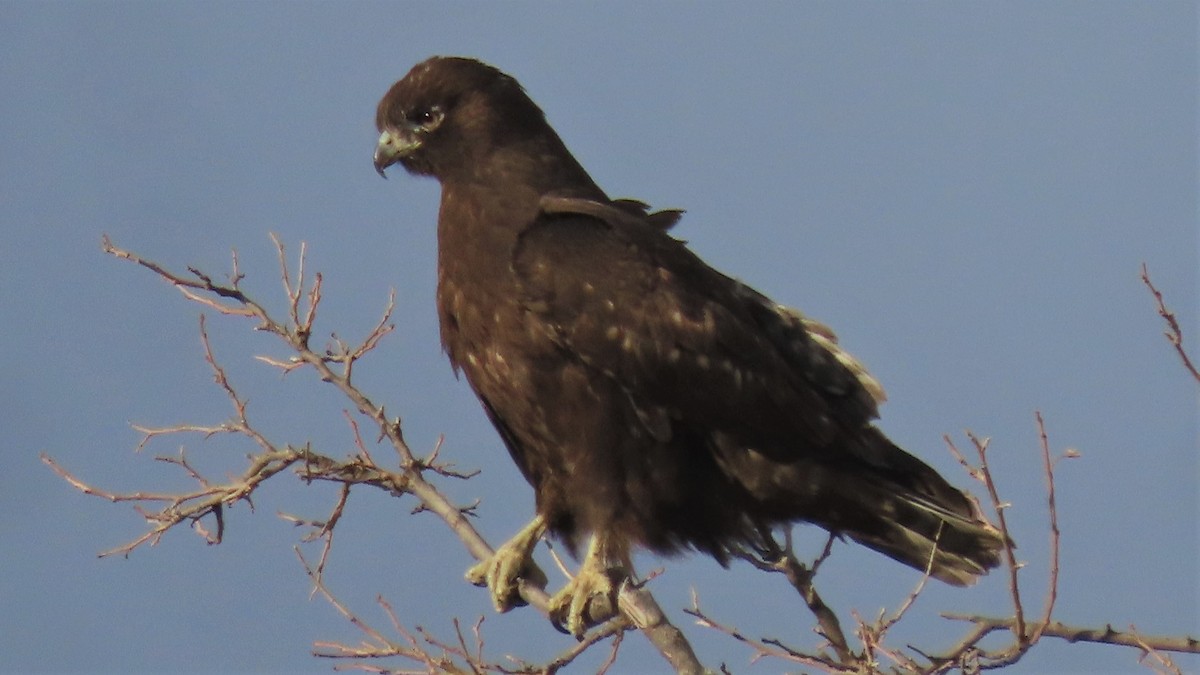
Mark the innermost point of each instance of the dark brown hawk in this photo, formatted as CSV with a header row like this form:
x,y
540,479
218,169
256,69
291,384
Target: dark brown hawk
x,y
649,399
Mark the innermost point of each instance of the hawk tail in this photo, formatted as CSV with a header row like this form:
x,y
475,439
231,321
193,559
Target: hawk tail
x,y
954,544
901,507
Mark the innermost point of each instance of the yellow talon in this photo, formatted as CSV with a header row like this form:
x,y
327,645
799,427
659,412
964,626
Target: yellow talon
x,y
590,598
509,565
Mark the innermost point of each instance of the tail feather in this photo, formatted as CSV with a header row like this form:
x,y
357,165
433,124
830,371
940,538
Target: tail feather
x,y
878,495
953,546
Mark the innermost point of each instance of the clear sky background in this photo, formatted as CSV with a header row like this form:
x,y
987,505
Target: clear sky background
x,y
964,191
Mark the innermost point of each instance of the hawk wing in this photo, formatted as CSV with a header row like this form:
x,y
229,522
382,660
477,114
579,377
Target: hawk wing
x,y
686,343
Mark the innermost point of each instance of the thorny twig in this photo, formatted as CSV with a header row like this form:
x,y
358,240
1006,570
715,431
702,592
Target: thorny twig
x,y
1000,507
1021,639
769,647
455,656
1055,536
322,530
1173,333
1108,635
210,498
1152,657
772,557
873,635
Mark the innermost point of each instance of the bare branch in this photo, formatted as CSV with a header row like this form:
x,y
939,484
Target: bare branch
x,y
377,645
1052,583
413,475
1159,662
769,647
1173,333
323,530
983,473
638,606
150,433
782,559
873,635
189,507
1106,635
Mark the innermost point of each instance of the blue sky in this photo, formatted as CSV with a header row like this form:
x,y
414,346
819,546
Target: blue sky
x,y
964,191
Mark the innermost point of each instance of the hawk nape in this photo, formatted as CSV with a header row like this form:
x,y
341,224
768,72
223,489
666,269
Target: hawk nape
x,y
649,399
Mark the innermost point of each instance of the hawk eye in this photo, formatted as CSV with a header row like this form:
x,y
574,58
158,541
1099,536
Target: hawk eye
x,y
426,117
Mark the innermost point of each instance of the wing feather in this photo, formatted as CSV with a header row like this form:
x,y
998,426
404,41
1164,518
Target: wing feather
x,y
685,342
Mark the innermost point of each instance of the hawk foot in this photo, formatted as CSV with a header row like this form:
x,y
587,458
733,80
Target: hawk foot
x,y
590,598
508,566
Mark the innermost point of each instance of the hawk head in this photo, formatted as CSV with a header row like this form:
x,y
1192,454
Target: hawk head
x,y
447,112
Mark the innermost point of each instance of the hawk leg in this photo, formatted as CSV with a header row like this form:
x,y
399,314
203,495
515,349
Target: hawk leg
x,y
590,598
510,564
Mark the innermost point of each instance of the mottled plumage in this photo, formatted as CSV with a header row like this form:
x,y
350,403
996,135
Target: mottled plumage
x,y
649,399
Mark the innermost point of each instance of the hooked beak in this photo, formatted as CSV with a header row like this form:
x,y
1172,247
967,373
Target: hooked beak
x,y
394,145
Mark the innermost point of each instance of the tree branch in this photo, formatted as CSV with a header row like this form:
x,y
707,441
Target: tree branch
x,y
1173,333
1106,635
335,366
414,475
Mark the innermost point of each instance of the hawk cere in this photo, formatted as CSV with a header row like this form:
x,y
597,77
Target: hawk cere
x,y
650,400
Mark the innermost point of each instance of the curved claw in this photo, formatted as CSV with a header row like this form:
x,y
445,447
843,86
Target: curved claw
x,y
587,600
508,566
590,598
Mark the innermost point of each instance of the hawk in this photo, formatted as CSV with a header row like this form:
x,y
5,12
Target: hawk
x,y
650,400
